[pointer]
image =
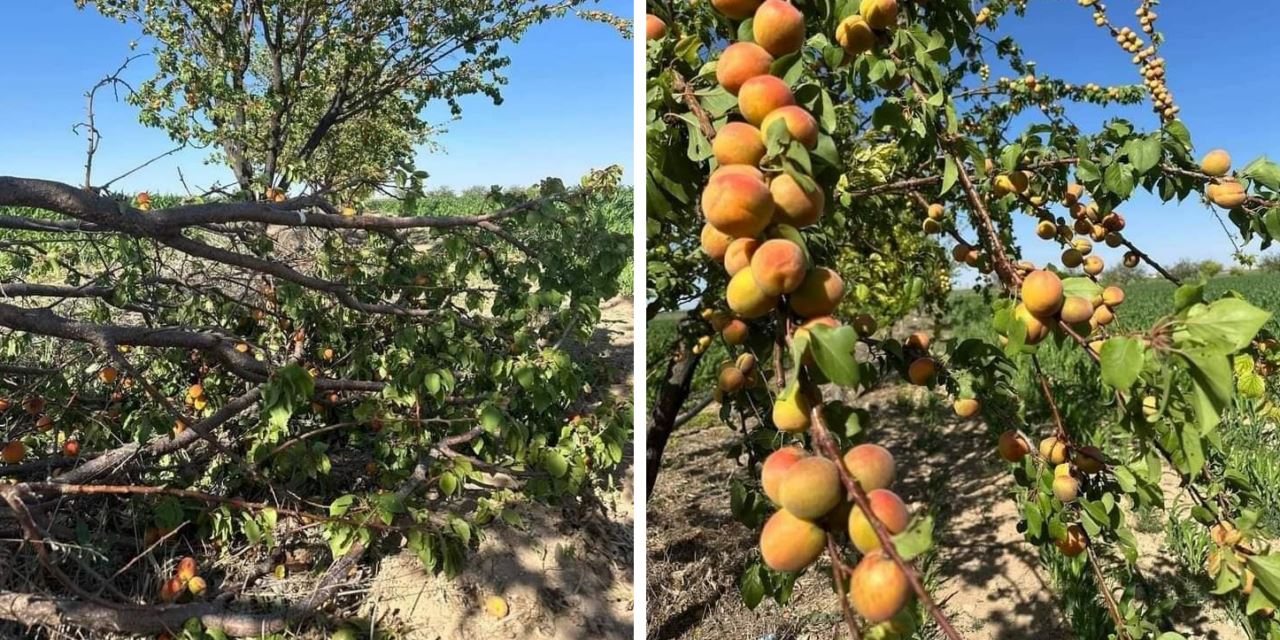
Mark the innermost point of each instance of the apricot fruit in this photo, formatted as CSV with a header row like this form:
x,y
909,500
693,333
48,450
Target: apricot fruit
x,y
745,297
731,378
878,588
1093,265
855,36
1076,310
33,405
966,407
793,205
739,62
788,543
880,14
1113,296
4,405
791,413
71,449
714,243
736,170
762,95
1054,451
171,589
44,423
811,488
1007,183
735,332
1042,293
1228,195
778,266
1065,487
871,465
778,26
654,27
865,325
197,585
800,124
1103,316
746,363
1072,258
775,468
888,508
1012,446
107,375
922,371
1073,194
738,143
13,453
737,205
736,9
1046,229
1216,163
1036,330
1073,543
738,254
918,340
818,294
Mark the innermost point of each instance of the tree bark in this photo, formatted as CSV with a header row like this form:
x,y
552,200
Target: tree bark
x,y
676,385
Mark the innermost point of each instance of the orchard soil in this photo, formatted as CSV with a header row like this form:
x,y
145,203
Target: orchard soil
x,y
565,574
987,578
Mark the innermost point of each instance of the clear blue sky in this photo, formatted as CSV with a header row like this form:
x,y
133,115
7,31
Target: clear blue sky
x,y
567,108
1224,71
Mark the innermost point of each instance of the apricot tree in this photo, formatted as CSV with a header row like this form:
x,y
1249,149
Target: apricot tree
x,y
782,135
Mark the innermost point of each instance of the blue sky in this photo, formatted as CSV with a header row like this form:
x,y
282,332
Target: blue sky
x,y
567,108
1224,71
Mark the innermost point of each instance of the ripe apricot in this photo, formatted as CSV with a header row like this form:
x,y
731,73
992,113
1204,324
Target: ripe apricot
x,y
1015,182
13,453
738,205
1103,316
778,266
735,332
714,242
802,126
44,423
788,543
871,465
778,26
921,371
171,588
107,375
1228,195
1113,296
1012,446
1216,163
966,407
1073,193
793,205
197,585
1073,543
818,294
731,378
855,35
880,14
1093,265
736,170
745,297
1076,309
1054,451
187,569
775,468
888,508
739,62
1065,487
1036,330
811,488
736,9
71,449
738,254
738,143
4,405
1042,293
878,588
791,413
762,95
919,340
654,27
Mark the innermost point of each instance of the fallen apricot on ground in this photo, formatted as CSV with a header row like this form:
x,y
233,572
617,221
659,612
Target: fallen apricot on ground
x,y
13,453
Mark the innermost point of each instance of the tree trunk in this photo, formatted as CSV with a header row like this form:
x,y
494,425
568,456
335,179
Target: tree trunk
x,y
676,385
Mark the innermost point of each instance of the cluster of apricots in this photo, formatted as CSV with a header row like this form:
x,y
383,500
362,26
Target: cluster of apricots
x,y
737,375
1045,307
1069,465
184,583
1225,191
810,496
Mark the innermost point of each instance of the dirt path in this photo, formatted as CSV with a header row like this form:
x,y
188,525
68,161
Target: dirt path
x,y
565,574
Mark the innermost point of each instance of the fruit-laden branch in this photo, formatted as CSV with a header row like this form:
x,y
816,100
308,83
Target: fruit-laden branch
x,y
691,101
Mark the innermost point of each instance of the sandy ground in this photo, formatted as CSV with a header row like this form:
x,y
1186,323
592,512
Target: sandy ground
x,y
566,574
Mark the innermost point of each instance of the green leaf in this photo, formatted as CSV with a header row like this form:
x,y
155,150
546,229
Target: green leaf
x,y
555,464
340,506
1266,573
1227,326
1187,295
1081,287
1179,133
833,352
1121,362
1144,153
752,586
951,173
1118,179
916,539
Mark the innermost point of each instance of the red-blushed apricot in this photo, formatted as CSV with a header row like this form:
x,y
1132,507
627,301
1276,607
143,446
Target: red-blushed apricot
x,y
878,588
738,254
818,294
714,242
735,332
865,325
802,126
739,62
888,508
738,143
171,588
793,205
746,299
778,26
1042,293
788,543
736,9
762,95
4,405
1037,330
1076,310
33,405
966,407
1216,163
1053,450
654,27
731,378
13,453
855,36
187,569
919,340
880,14
736,170
71,448
1113,296
871,465
1073,543
1013,447
1089,460
737,205
921,371
811,488
778,266
791,413
775,468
